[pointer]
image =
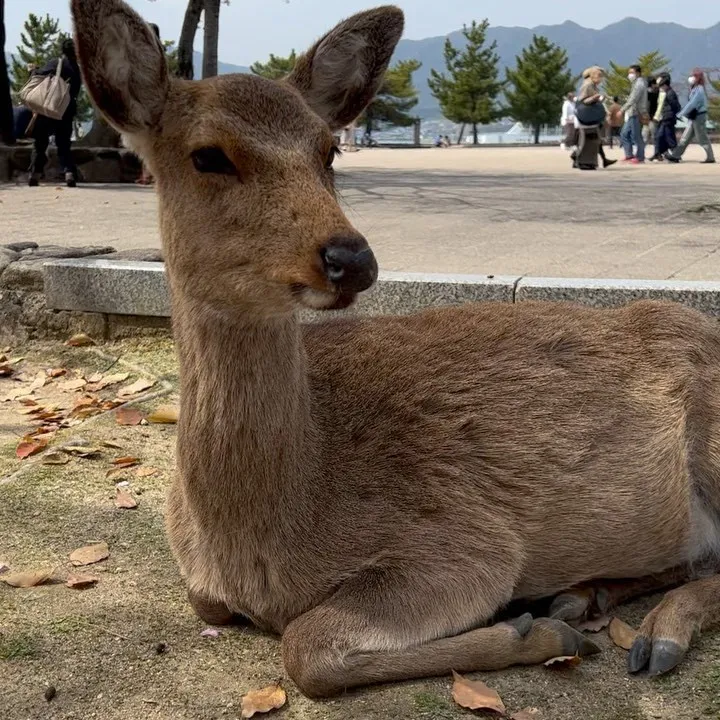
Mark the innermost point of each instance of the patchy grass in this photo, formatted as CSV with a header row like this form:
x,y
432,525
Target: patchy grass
x,y
131,648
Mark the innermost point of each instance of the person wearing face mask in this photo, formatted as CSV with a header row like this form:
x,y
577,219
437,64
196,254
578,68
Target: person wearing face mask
x,y
695,112
665,117
635,112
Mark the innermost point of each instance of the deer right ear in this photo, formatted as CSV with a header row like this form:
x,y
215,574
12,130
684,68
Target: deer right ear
x,y
343,71
122,62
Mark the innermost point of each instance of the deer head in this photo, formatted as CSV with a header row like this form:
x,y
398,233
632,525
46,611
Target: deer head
x,y
243,164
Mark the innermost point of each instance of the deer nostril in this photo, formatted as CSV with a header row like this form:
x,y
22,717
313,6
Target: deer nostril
x,y
349,263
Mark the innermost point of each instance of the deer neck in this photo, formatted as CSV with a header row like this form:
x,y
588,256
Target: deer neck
x,y
246,435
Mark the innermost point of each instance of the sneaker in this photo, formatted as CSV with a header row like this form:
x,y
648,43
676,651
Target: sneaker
x,y
672,159
70,180
628,159
636,161
33,180
708,162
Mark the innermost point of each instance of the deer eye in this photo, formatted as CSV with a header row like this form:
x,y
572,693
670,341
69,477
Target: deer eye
x,y
213,160
334,152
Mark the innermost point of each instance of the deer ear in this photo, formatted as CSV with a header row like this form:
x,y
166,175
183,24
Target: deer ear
x,y
122,62
343,71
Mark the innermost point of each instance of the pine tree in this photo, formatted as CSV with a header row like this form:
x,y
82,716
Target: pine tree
x,y
469,89
40,42
617,83
714,100
276,67
396,97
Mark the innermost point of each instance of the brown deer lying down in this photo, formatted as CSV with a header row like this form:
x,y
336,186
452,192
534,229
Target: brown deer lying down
x,y
377,490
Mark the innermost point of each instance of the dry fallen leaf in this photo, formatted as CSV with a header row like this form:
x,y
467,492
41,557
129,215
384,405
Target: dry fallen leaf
x,y
164,414
90,554
27,579
80,340
28,402
137,387
55,458
126,461
39,382
475,695
95,377
595,625
80,582
76,384
563,661
146,472
125,500
111,444
622,634
262,701
83,451
56,372
128,416
30,447
530,713
15,393
102,382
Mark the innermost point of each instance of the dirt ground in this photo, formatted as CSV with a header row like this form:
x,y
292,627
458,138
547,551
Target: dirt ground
x,y
130,647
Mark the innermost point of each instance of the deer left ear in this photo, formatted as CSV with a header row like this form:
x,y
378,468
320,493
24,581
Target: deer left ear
x,y
343,71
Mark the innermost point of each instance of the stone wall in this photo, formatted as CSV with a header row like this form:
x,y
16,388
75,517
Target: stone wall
x,y
95,165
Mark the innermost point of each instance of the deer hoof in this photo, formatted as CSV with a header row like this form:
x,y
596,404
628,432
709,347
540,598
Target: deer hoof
x,y
666,654
639,654
573,642
523,624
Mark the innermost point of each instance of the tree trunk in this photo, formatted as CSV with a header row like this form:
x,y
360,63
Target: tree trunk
x,y
7,130
536,131
187,38
210,41
461,133
475,137
101,134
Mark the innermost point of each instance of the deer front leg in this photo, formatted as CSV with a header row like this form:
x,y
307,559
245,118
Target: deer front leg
x,y
380,628
666,632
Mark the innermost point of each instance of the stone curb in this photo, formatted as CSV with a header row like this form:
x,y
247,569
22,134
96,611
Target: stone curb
x,y
140,289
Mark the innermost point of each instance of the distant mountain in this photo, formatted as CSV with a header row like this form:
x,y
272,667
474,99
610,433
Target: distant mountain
x,y
621,42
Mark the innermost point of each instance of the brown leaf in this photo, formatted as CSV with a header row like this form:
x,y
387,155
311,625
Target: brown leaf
x,y
15,393
146,472
56,372
39,381
595,625
80,340
27,579
530,713
90,554
126,461
475,695
128,416
102,382
164,414
125,500
622,634
109,404
563,661
30,447
83,451
262,701
5,369
70,385
95,377
80,582
55,458
111,444
137,387
28,402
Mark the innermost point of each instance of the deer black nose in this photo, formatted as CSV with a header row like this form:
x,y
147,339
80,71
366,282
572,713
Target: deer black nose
x,y
349,263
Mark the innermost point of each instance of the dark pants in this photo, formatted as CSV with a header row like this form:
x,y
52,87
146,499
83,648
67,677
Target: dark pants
x,y
665,138
41,133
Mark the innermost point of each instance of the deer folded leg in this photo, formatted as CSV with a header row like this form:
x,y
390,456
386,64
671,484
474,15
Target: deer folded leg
x,y
369,634
596,598
211,611
666,632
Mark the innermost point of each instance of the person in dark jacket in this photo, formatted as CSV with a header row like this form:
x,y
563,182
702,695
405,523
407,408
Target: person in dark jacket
x,y
61,129
666,117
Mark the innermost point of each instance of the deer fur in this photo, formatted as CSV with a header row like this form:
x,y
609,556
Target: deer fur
x,y
376,490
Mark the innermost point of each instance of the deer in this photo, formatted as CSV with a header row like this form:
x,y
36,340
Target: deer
x,y
378,491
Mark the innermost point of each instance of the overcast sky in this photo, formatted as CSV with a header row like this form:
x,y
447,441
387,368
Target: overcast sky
x,y
251,29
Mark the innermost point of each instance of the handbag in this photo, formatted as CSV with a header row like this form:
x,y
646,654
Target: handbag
x,y
590,114
692,114
47,95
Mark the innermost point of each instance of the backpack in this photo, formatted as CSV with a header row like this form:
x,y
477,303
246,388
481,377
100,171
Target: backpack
x,y
47,95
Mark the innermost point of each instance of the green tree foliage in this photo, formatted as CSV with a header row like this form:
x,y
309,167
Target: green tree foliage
x,y
40,42
171,55
468,90
617,83
276,67
714,100
538,84
395,99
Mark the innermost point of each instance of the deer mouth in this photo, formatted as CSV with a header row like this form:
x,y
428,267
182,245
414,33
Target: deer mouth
x,y
323,299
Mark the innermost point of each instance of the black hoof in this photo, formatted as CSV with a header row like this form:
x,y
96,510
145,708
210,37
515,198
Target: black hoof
x,y
666,655
574,642
522,624
568,607
639,654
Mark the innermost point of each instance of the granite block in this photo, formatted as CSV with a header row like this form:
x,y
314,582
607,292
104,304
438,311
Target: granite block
x,y
107,286
600,292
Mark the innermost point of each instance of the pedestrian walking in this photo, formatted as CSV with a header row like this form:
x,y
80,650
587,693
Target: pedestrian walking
x,y
635,113
665,117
